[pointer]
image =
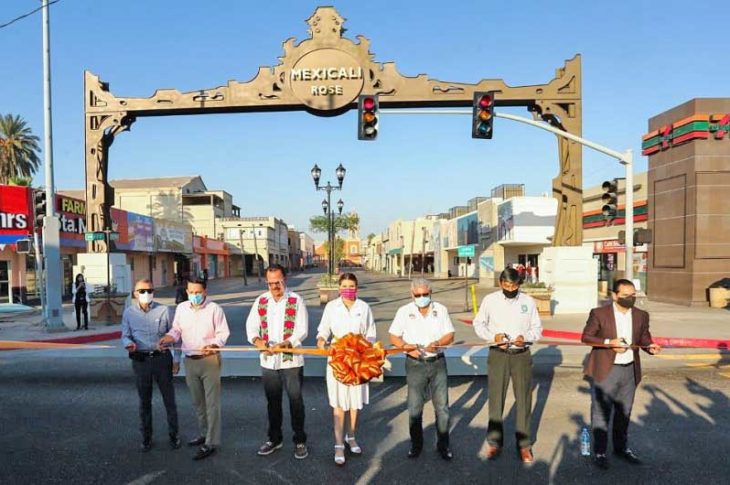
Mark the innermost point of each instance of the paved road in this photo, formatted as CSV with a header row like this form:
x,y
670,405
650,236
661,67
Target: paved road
x,y
75,421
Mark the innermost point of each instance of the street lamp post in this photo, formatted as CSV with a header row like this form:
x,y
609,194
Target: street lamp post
x,y
329,210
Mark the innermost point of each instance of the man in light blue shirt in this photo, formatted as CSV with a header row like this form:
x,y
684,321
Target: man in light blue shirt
x,y
143,324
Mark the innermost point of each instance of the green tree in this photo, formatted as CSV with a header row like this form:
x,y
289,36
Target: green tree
x,y
18,149
371,236
20,181
343,222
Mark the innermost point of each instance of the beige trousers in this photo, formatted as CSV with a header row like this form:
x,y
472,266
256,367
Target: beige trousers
x,y
203,377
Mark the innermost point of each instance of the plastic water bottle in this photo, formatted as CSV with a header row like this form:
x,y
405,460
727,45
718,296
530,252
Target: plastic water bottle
x,y
585,442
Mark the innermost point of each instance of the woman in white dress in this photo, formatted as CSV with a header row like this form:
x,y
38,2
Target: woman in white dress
x,y
345,315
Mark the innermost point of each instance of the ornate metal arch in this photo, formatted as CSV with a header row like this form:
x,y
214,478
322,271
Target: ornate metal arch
x,y
350,63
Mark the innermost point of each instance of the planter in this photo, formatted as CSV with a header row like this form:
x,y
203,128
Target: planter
x,y
719,297
543,300
328,294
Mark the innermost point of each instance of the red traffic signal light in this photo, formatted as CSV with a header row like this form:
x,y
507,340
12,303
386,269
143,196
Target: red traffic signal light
x,y
367,117
483,115
39,207
610,199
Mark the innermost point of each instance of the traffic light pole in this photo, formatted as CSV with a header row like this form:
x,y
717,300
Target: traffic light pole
x,y
51,225
626,159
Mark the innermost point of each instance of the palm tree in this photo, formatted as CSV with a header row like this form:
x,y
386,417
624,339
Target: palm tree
x,y
18,149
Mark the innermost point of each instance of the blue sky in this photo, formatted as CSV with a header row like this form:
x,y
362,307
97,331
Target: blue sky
x,y
639,59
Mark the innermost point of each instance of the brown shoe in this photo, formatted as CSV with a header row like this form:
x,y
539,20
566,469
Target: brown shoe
x,y
526,455
493,452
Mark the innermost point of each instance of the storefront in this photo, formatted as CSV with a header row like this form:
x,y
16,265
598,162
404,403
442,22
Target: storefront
x,y
16,222
611,257
213,255
173,246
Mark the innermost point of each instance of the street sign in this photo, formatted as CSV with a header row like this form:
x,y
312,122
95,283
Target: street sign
x,y
94,236
465,251
113,236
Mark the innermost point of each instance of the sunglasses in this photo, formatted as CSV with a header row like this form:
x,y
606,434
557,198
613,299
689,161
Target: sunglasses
x,y
419,295
146,290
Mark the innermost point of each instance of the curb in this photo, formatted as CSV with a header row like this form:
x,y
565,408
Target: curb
x,y
83,339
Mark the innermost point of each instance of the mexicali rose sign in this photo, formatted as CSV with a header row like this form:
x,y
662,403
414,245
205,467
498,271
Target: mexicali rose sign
x,y
326,79
696,127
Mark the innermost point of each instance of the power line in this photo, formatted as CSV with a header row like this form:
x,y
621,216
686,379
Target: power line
x,y
2,26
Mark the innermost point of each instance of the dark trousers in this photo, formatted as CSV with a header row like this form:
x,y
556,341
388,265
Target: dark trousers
x,y
503,367
82,306
275,381
614,395
427,380
157,368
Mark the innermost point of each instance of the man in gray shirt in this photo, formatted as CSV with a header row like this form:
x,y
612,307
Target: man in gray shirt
x,y
143,324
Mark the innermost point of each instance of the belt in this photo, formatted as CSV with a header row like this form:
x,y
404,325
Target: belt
x,y
625,365
197,357
151,353
433,358
510,351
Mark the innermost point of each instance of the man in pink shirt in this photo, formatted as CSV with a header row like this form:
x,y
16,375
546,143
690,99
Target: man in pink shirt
x,y
202,327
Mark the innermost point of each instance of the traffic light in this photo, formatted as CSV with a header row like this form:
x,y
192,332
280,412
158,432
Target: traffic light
x,y
482,125
39,207
367,117
610,199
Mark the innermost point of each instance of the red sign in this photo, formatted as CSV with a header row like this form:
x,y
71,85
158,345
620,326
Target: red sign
x,y
16,218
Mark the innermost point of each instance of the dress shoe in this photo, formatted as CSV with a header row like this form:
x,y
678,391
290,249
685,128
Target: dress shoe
x,y
629,456
526,455
200,440
414,452
493,452
446,453
601,461
145,446
175,442
204,452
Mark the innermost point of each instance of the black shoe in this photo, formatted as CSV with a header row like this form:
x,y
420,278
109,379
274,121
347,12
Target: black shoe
x,y
269,447
446,453
200,440
629,456
175,442
414,452
204,452
601,462
145,446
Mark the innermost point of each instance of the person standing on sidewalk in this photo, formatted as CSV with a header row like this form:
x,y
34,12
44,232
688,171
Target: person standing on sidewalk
x,y
144,323
202,327
279,319
81,298
421,328
509,318
614,371
342,316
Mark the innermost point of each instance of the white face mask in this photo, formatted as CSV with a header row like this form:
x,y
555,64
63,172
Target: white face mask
x,y
145,298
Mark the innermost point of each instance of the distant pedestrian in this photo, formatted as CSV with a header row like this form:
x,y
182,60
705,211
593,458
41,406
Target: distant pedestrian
x,y
279,319
81,298
422,328
347,314
181,294
509,318
202,327
144,323
205,276
614,371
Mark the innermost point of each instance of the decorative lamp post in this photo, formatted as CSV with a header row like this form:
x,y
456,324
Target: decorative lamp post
x,y
340,172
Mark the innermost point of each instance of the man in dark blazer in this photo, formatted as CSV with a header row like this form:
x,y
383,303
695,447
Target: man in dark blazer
x,y
616,332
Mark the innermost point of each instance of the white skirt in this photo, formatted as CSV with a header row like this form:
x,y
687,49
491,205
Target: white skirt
x,y
343,396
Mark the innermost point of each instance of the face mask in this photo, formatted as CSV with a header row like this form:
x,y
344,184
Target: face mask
x,y
196,299
423,301
627,302
145,298
348,293
510,294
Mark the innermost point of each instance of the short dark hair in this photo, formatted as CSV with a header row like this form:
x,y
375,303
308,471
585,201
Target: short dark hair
x,y
348,277
198,281
510,275
622,282
276,267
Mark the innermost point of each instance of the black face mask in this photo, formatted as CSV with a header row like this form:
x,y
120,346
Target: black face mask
x,y
510,294
627,302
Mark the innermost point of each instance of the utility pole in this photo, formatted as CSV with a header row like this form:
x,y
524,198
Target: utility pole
x,y
413,243
423,249
256,256
53,318
243,257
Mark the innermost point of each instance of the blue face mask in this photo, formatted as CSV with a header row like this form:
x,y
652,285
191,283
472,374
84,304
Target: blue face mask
x,y
423,301
196,299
